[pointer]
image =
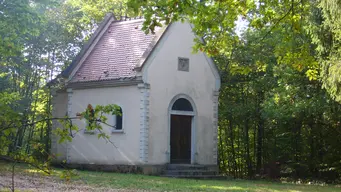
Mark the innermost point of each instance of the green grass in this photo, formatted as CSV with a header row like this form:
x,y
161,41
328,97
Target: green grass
x,y
131,181
153,183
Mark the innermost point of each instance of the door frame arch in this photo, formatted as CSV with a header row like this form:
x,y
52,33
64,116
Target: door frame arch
x,y
193,114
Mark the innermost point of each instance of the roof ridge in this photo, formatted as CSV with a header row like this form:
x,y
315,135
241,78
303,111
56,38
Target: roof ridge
x,y
121,22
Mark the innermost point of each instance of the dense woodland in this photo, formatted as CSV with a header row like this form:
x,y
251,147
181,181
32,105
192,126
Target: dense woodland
x,y
279,105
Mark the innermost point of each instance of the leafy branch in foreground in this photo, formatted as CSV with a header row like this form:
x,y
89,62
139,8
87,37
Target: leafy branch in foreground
x,y
95,118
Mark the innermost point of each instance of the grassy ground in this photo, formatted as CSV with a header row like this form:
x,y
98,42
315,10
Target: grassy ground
x,y
98,181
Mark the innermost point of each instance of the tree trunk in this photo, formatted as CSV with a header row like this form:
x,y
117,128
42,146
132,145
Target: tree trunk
x,y
233,158
260,133
222,151
247,148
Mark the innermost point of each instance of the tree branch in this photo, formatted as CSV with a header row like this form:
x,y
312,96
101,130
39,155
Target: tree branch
x,y
108,140
277,22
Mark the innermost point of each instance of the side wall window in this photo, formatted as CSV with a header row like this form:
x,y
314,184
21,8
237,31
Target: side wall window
x,y
119,120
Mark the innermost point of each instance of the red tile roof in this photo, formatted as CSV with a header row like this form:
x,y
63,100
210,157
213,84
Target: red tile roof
x,y
116,54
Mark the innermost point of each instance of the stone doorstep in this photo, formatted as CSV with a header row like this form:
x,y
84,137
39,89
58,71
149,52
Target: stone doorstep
x,y
192,167
190,172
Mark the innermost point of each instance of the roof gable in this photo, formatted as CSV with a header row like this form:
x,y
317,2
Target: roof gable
x,y
161,39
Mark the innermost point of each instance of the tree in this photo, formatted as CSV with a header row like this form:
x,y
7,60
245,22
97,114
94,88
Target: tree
x,y
325,30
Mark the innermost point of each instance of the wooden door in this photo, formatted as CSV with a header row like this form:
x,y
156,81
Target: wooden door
x,y
181,126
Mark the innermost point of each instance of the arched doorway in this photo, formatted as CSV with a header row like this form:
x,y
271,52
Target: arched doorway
x,y
182,114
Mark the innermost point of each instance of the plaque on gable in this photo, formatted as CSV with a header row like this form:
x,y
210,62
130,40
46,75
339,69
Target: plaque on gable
x,y
183,64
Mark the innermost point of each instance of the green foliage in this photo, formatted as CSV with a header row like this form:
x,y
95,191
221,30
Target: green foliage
x,y
326,33
95,118
212,20
81,17
96,10
8,117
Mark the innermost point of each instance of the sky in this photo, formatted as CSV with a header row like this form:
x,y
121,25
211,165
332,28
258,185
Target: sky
x,y
240,26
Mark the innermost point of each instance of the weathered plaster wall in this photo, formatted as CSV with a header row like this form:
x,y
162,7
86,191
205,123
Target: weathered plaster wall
x,y
200,84
88,149
59,102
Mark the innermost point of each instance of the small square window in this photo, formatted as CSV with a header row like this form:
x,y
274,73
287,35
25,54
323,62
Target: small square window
x,y
183,64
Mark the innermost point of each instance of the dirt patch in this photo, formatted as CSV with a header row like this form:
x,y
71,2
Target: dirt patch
x,y
48,184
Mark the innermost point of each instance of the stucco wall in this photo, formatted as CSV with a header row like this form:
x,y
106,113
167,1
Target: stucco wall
x,y
59,102
161,72
88,149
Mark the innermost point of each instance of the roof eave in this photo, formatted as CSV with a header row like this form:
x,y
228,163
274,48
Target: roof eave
x,y
105,83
